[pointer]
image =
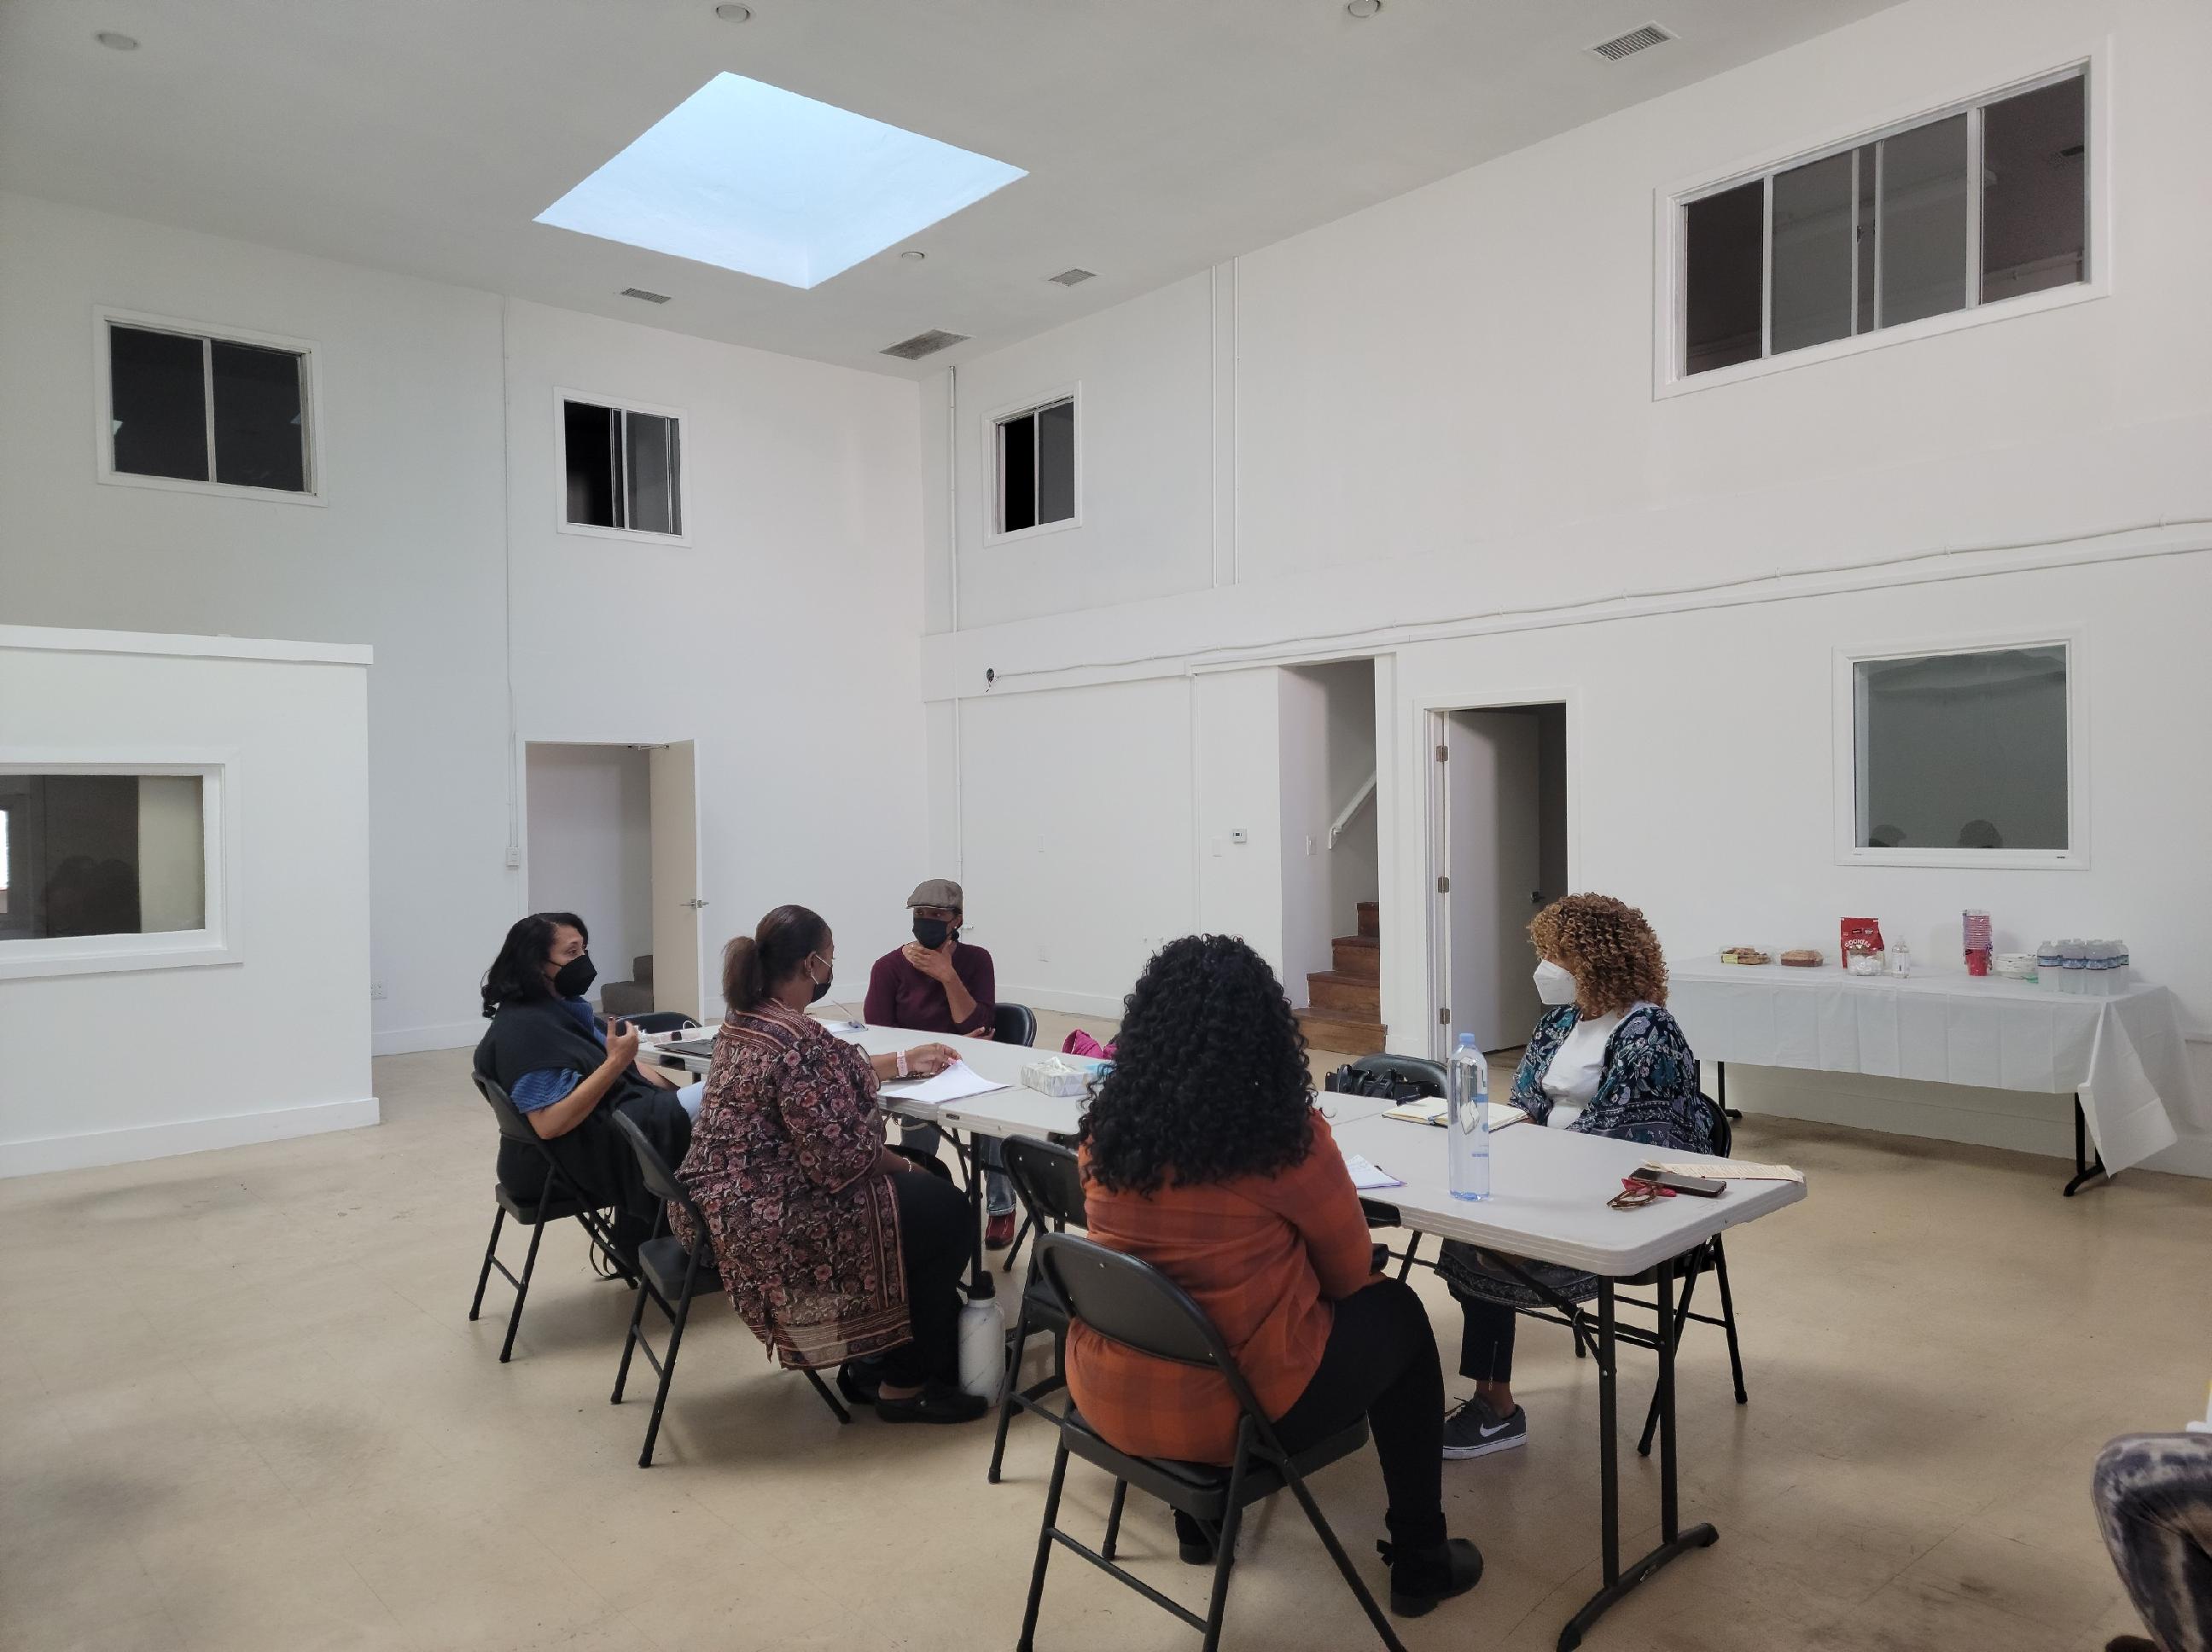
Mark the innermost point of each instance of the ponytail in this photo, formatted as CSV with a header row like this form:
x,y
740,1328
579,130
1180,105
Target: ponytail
x,y
754,965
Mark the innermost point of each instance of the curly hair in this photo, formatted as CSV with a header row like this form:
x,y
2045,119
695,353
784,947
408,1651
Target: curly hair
x,y
1209,1078
1608,948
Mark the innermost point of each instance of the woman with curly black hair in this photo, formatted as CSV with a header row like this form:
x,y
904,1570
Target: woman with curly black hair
x,y
1607,1060
1203,1154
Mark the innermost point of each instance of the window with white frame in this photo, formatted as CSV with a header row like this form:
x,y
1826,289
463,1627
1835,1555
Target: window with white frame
x,y
189,407
1036,466
1971,206
622,468
97,858
1963,756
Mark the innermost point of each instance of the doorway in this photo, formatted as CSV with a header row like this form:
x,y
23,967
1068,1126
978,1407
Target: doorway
x,y
1498,851
611,834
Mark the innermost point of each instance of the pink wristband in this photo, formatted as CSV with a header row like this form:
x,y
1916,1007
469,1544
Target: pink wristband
x,y
901,1058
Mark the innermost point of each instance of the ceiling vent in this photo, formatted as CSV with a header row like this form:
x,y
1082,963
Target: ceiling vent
x,y
926,343
1073,277
1628,45
639,293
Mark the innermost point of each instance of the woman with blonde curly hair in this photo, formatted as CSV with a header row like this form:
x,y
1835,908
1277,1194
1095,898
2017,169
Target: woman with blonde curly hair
x,y
1606,1059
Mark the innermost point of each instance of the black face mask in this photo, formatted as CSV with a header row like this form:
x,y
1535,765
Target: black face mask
x,y
573,979
822,986
932,931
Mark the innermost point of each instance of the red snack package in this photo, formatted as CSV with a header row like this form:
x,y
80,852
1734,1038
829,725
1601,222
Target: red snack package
x,y
1862,936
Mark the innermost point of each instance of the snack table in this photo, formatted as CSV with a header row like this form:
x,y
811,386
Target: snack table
x,y
2121,1056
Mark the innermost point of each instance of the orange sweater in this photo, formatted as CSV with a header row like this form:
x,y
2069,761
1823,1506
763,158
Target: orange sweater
x,y
1264,1256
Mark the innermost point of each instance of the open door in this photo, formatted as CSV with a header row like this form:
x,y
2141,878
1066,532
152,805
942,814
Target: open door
x,y
676,902
1493,842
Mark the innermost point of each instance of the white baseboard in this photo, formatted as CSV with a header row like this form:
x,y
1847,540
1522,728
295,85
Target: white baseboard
x,y
22,1158
406,1041
1047,997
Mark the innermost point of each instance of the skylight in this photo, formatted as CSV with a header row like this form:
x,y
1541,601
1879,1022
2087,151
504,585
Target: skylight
x,y
751,178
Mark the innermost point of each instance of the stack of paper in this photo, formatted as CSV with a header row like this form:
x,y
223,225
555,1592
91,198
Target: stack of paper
x,y
1367,1176
956,1083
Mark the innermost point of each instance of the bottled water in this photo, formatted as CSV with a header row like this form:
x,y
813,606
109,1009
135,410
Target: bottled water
x,y
1468,1172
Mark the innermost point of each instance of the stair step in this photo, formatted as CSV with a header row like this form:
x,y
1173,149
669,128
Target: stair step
x,y
1339,1035
1354,996
1357,956
1370,919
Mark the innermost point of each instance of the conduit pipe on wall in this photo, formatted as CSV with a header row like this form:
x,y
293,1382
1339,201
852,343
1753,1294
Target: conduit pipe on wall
x,y
1779,585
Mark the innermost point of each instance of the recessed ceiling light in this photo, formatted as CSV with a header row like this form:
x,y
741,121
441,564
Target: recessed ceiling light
x,y
914,255
734,14
114,42
1362,8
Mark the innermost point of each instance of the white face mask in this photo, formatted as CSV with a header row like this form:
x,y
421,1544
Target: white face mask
x,y
1554,985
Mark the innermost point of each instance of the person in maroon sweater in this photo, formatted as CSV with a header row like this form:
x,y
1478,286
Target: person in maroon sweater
x,y
935,984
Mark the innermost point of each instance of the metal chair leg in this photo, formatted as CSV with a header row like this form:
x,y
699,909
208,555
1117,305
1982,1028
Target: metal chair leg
x,y
491,1250
1413,1252
1327,1533
676,1323
1006,1391
1021,1238
521,1289
1114,1518
1028,1641
1681,1318
1727,1319
629,1343
828,1398
1224,1556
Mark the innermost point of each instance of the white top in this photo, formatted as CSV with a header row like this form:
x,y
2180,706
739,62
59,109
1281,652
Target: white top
x,y
1577,1068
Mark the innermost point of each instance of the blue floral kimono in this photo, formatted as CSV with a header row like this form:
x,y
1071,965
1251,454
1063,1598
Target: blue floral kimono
x,y
1648,1094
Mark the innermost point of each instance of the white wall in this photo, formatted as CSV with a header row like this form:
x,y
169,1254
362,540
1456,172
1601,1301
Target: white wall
x,y
139,1063
782,637
1433,435
589,848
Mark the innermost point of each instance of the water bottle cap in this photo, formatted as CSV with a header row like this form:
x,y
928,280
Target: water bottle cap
x,y
1466,1039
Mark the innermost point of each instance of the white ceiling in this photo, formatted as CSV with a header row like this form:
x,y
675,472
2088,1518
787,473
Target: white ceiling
x,y
1160,136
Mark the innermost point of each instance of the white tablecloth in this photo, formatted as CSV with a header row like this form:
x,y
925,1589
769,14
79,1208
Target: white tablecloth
x,y
2123,1055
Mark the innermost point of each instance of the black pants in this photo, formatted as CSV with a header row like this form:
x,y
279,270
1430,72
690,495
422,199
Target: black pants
x,y
934,1243
596,1158
1382,1361
1486,1341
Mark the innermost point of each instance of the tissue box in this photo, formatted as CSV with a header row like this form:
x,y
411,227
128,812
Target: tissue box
x,y
1053,1076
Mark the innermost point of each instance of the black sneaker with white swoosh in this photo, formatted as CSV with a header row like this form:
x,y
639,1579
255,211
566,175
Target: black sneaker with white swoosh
x,y
1475,1431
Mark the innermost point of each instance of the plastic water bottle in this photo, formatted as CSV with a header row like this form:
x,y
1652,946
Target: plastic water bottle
x,y
1468,1172
983,1341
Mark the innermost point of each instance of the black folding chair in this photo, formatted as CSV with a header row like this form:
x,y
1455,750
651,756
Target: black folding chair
x,y
1013,1023
671,1276
1566,1295
1050,1189
1428,1078
559,1199
1135,1304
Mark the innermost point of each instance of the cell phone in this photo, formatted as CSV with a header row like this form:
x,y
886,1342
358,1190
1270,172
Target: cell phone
x,y
1695,1186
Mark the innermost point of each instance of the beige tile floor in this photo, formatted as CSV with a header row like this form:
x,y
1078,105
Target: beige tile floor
x,y
244,1410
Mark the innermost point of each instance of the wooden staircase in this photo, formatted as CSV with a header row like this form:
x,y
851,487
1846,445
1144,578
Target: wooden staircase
x,y
1346,1012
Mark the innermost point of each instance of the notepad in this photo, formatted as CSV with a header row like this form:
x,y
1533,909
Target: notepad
x,y
956,1083
1434,1109
1367,1176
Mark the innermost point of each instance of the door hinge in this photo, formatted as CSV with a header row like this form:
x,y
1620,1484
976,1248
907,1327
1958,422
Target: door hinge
x,y
695,905
1443,884
1443,1017
1443,754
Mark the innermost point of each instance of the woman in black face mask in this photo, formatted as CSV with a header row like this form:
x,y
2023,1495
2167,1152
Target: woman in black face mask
x,y
564,1073
804,1205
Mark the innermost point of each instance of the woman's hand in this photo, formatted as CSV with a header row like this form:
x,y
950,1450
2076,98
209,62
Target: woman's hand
x,y
935,963
621,1044
890,1164
927,1061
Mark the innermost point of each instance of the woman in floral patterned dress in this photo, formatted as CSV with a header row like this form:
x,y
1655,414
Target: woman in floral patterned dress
x,y
835,1250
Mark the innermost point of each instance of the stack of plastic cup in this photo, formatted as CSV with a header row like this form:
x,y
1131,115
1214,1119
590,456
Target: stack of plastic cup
x,y
1976,927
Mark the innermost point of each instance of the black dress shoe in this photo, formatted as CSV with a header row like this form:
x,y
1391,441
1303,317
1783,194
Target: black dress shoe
x,y
1421,1577
938,1402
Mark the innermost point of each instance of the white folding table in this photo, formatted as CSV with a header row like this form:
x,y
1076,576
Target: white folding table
x,y
2121,1057
1549,1206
